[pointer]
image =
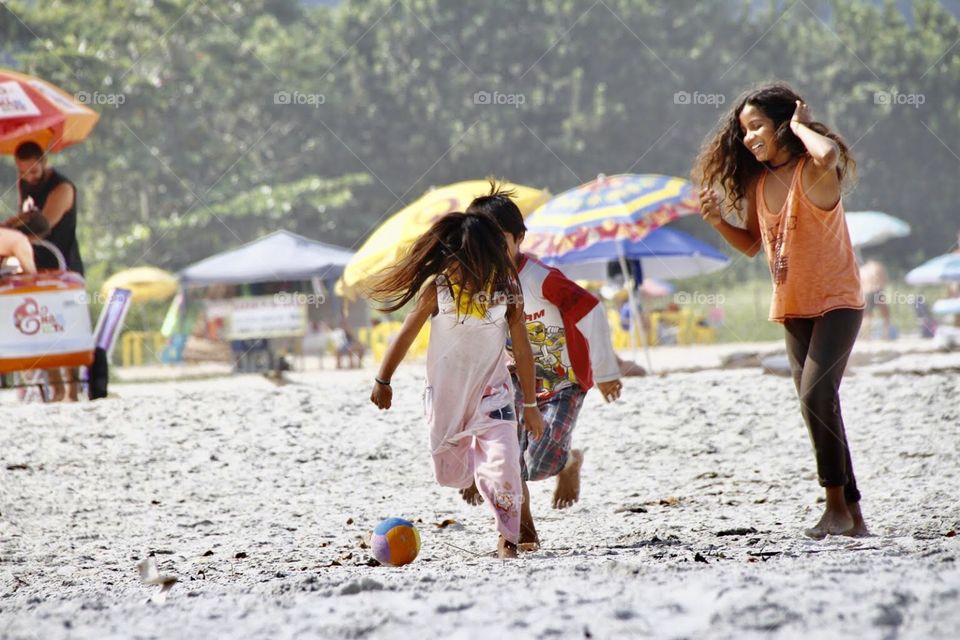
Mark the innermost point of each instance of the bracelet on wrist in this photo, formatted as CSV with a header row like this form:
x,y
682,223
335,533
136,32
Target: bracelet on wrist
x,y
385,383
530,405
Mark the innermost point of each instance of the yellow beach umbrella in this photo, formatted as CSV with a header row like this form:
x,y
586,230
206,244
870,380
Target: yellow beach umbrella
x,y
391,238
147,284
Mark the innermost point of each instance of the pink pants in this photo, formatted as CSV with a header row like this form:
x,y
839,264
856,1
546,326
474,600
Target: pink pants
x,y
492,460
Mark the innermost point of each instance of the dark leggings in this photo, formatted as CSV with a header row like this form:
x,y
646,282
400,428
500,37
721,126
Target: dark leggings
x,y
818,349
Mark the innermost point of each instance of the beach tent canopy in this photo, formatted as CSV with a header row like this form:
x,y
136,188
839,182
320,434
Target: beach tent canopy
x,y
279,256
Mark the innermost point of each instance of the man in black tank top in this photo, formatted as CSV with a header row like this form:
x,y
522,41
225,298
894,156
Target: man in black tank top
x,y
55,199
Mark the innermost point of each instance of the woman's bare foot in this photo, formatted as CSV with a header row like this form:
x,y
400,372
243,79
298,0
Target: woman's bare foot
x,y
506,550
471,495
567,492
836,519
859,529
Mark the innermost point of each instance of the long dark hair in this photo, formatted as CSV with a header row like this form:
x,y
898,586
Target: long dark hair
x,y
725,162
468,249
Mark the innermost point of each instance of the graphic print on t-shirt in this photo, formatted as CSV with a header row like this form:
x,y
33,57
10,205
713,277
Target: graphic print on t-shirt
x,y
553,366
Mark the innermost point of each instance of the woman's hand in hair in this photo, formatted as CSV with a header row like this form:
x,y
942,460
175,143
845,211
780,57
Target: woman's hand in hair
x,y
801,115
710,207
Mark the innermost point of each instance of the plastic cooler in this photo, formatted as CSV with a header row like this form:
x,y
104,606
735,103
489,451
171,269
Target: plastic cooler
x,y
44,322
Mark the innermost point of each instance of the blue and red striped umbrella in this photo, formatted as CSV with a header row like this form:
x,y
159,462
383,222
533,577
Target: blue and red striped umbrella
x,y
622,207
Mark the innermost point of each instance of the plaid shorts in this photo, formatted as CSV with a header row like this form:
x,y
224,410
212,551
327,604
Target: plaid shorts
x,y
546,457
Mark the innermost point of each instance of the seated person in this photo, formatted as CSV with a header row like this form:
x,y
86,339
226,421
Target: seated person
x,y
15,244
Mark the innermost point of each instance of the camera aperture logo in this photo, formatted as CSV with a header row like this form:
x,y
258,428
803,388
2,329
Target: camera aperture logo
x,y
299,298
98,99
699,298
715,100
298,98
897,99
515,100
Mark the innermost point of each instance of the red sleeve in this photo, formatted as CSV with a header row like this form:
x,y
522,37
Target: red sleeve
x,y
574,302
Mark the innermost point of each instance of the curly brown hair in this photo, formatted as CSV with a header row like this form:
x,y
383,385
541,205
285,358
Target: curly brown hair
x,y
725,162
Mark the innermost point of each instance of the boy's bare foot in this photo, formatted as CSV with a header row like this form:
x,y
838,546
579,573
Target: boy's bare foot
x,y
859,529
506,550
836,519
567,492
471,495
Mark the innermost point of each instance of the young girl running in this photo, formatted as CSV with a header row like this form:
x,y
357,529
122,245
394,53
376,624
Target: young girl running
x,y
464,282
783,174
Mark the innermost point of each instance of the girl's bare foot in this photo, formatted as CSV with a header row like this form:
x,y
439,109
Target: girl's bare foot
x,y
567,492
506,550
836,519
859,529
471,495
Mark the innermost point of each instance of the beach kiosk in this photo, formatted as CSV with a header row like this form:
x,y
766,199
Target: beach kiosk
x,y
263,298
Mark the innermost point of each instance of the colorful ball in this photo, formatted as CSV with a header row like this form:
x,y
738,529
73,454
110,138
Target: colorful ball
x,y
395,542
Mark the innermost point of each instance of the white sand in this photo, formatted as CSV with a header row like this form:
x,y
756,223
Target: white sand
x,y
295,477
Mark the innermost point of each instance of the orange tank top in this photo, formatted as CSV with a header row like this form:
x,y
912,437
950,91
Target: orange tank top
x,y
811,258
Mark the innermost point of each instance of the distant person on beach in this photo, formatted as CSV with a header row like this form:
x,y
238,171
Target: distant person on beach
x,y
45,190
570,336
782,174
348,347
462,280
873,279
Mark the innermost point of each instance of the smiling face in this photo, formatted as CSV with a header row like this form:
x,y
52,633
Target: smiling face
x,y
759,134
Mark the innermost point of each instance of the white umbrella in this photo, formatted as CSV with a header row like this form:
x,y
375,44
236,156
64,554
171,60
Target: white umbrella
x,y
870,228
946,306
945,268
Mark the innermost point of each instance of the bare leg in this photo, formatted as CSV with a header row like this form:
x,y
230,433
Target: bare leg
x,y
859,529
73,386
529,540
567,492
55,378
836,519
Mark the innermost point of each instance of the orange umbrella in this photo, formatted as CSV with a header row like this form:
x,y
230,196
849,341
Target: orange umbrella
x,y
34,110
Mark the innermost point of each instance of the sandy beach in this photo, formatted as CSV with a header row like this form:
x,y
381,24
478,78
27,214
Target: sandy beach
x,y
696,487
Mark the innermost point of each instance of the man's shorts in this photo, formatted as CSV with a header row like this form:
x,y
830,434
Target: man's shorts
x,y
546,457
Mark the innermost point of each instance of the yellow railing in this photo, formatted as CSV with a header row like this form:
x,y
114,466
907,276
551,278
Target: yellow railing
x,y
688,330
685,322
132,344
378,338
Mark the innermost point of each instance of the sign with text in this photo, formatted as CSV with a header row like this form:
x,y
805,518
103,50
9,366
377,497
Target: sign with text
x,y
14,102
266,317
41,327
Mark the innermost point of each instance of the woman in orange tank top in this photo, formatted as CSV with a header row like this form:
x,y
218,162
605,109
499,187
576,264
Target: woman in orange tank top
x,y
783,174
